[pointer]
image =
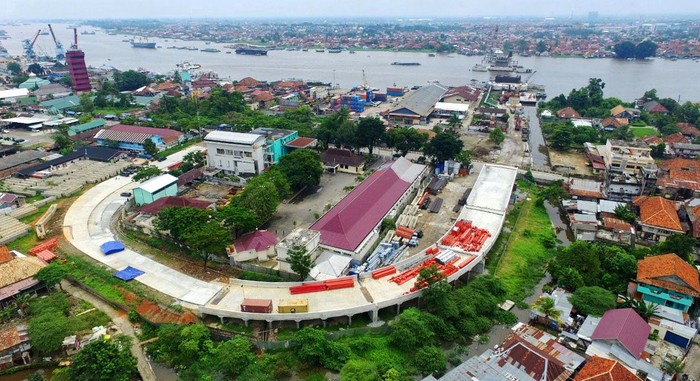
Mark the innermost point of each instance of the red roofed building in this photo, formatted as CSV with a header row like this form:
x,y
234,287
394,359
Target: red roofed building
x,y
667,280
248,82
688,129
623,327
679,178
461,94
350,227
676,138
602,369
568,113
258,245
14,341
658,218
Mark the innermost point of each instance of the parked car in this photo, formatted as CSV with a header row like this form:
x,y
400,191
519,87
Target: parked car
x,y
125,194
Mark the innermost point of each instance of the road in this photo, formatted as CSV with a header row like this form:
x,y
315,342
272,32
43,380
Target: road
x,y
122,322
537,144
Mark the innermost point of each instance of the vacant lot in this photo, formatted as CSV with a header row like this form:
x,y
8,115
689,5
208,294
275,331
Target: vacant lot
x,y
640,132
571,162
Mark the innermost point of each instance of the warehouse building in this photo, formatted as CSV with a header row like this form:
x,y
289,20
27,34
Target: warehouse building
x,y
155,188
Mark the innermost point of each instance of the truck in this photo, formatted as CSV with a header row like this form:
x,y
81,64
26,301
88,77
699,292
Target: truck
x,y
291,306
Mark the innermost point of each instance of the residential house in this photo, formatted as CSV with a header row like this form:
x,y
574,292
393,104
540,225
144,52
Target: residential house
x,y
667,280
615,230
595,157
654,107
161,203
132,138
15,344
342,160
688,130
678,178
17,274
582,189
620,111
612,123
249,82
417,105
491,112
527,354
561,303
155,188
235,152
11,200
568,113
276,141
258,245
672,139
627,164
658,218
622,335
687,150
680,335
602,369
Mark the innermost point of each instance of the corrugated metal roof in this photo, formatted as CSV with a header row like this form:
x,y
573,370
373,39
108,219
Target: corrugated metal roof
x,y
12,93
234,137
421,101
625,326
91,125
62,103
123,136
157,183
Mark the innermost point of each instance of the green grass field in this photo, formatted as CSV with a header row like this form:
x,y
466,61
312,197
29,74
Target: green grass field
x,y
524,259
640,132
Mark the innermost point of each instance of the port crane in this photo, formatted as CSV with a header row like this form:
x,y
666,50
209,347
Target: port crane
x,y
60,52
28,46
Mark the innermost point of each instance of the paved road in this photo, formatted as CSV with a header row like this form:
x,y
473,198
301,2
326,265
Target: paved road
x,y
120,320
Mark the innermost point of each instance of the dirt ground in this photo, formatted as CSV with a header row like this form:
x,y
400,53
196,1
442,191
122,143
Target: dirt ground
x,y
576,161
209,192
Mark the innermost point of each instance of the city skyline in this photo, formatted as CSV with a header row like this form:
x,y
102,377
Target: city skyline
x,y
135,9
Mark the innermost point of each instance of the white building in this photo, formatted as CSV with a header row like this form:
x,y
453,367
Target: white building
x,y
235,152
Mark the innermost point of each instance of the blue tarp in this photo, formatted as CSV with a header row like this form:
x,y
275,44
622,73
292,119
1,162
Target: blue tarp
x,y
112,247
128,273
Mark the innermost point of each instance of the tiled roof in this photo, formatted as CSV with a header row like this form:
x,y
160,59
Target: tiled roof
x,y
347,224
680,179
46,255
9,338
602,369
669,271
335,156
617,110
5,255
654,107
19,269
258,240
675,139
249,81
679,163
167,134
614,122
302,142
616,224
122,136
659,212
688,129
468,93
173,201
652,140
625,326
568,113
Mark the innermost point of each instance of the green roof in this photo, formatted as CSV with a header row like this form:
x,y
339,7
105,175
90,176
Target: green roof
x,y
33,82
80,128
62,103
144,101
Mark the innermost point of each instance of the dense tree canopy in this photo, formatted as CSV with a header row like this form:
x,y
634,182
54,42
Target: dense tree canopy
x,y
104,360
405,139
592,300
370,131
444,146
302,168
129,80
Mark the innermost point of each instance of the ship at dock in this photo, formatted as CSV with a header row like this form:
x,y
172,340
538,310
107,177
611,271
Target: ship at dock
x,y
142,43
405,63
251,51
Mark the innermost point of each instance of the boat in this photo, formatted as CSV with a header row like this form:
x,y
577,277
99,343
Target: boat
x,y
252,51
305,49
351,52
431,54
189,66
335,50
405,63
320,50
228,52
191,48
86,32
479,67
210,50
142,43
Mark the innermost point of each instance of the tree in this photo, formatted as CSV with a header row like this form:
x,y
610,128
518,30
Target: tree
x,y
651,95
405,139
52,274
623,212
313,347
428,276
178,221
645,49
86,103
439,301
592,300
300,261
278,179
562,137
150,147
208,239
570,279
195,158
545,305
680,244
14,68
302,168
35,68
410,331
497,136
36,376
658,151
145,173
582,256
261,198
104,360
673,367
444,146
61,139
129,80
430,359
369,132
541,46
454,123
239,220
47,331
234,355
642,308
625,49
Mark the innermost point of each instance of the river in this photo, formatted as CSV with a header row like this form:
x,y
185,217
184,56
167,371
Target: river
x,y
624,79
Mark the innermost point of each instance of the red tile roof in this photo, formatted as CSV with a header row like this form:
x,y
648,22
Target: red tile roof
x,y
335,156
258,240
669,271
614,122
9,338
675,139
625,326
5,255
659,212
347,224
302,142
688,129
249,82
680,163
468,93
602,369
167,134
174,201
652,140
616,224
568,113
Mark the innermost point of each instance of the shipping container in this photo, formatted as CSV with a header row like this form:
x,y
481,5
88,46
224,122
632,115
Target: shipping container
x,y
291,306
261,306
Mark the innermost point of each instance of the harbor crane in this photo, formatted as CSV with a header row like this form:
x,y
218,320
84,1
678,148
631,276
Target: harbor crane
x,y
28,46
60,52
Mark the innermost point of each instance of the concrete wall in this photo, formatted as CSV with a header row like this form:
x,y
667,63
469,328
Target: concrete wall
x,y
236,158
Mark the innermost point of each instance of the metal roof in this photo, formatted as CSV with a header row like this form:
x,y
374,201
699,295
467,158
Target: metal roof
x,y
421,101
157,183
62,103
91,125
233,137
12,93
123,136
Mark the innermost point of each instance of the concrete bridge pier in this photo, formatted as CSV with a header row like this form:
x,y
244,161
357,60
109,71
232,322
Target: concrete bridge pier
x,y
299,323
374,314
398,309
323,321
245,321
349,319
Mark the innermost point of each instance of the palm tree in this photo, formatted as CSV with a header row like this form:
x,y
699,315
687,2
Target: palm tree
x,y
673,367
453,122
642,308
545,306
22,301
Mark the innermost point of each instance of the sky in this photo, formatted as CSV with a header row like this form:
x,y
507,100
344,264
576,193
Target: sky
x,y
11,10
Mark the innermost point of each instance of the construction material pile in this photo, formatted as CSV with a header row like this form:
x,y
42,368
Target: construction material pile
x,y
332,284
466,236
